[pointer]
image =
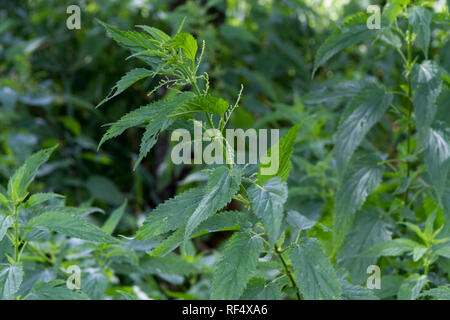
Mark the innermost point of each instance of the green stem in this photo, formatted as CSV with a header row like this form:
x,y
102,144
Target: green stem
x,y
16,234
288,273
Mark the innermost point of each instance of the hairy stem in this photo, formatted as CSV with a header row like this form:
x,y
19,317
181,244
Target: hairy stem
x,y
288,272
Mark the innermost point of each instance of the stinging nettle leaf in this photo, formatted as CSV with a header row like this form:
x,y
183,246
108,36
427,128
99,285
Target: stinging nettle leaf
x,y
437,156
284,147
11,276
236,266
126,81
5,223
22,178
187,43
160,122
420,19
314,273
426,86
267,204
170,215
365,109
368,229
360,180
201,104
221,188
343,38
72,226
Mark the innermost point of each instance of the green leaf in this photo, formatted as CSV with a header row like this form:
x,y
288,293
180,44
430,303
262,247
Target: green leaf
x,y
223,221
426,86
391,10
353,292
221,188
187,43
267,204
94,283
126,81
236,266
38,198
365,109
5,223
160,122
342,38
4,200
170,215
412,286
360,180
368,229
314,274
113,220
420,19
11,276
393,248
55,290
201,104
439,293
259,289
169,264
437,157
283,148
22,178
72,226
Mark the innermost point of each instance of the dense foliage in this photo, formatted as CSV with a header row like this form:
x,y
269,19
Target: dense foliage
x,y
364,154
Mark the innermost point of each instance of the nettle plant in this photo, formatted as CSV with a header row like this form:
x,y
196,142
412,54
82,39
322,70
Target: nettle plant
x,y
403,184
37,233
268,255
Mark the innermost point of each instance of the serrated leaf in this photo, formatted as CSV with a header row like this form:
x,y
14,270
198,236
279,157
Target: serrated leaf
x,y
267,204
353,292
11,276
420,19
393,248
201,104
22,178
160,122
284,147
314,273
72,226
170,215
439,293
94,283
223,221
236,266
412,286
360,180
187,43
39,198
342,38
130,78
437,156
259,289
55,290
364,111
426,86
221,188
169,264
113,220
368,229
5,223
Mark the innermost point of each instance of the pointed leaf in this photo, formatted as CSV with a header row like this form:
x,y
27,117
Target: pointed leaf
x,y
420,19
364,111
267,204
235,269
314,274
11,276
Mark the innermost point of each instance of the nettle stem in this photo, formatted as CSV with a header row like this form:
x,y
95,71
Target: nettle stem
x,y
410,106
288,273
